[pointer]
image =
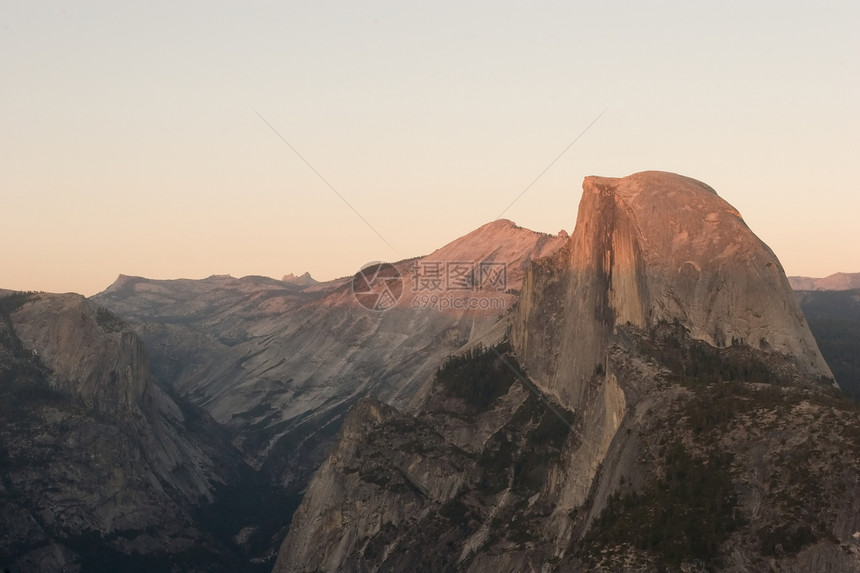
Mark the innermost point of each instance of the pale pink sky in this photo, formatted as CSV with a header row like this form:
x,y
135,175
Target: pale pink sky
x,y
129,141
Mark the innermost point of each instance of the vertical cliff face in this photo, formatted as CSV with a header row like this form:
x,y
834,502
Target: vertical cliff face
x,y
95,359
93,356
648,248
98,463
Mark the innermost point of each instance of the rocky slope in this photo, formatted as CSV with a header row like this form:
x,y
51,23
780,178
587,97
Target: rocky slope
x,y
98,463
676,413
260,355
736,475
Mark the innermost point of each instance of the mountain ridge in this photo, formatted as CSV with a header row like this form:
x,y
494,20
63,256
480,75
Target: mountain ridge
x,y
259,355
836,281
436,396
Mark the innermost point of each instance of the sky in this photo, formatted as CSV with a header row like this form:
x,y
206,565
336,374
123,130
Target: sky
x,y
185,139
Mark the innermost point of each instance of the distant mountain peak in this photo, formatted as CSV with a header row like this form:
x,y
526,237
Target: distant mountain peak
x,y
303,280
499,224
836,281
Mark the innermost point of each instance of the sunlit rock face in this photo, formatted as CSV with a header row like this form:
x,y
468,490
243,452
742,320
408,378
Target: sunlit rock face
x,y
674,413
654,247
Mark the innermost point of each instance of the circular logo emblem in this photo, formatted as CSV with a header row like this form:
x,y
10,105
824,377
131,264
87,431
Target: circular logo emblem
x,y
377,286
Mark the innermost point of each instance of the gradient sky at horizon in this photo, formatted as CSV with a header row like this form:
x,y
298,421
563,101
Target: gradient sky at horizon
x,y
130,141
